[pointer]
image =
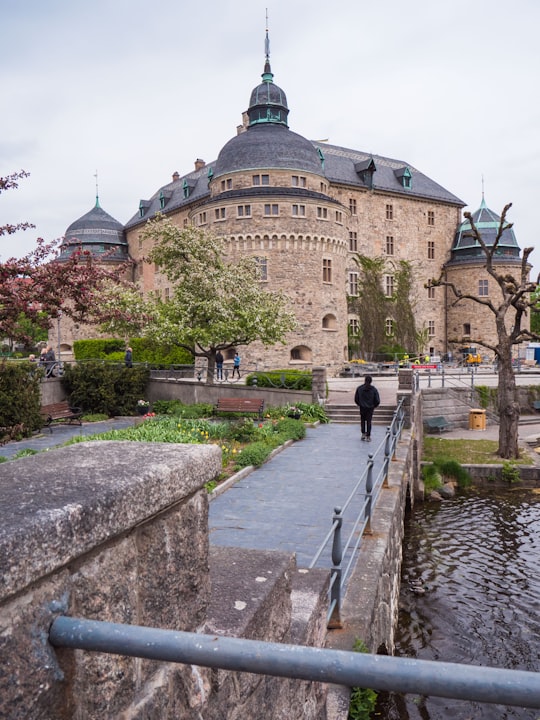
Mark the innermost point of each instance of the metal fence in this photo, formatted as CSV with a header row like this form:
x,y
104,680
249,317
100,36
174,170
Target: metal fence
x,y
356,512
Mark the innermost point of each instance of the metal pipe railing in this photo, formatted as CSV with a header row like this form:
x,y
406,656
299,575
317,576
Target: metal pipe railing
x,y
380,672
361,521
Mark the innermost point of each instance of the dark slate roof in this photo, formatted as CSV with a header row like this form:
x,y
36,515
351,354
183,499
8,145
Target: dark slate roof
x,y
274,146
268,147
98,232
465,247
343,165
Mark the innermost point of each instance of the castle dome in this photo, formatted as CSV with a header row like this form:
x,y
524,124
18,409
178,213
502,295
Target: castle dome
x,y
467,249
96,232
267,141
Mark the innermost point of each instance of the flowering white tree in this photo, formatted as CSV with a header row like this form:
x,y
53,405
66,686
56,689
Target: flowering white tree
x,y
215,304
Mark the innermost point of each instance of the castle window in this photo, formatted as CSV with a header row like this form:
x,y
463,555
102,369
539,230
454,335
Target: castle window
x,y
353,283
327,270
431,217
226,184
431,250
329,322
220,213
271,209
243,211
466,328
298,181
352,206
339,217
483,288
299,210
389,212
431,328
167,293
202,218
389,245
431,292
324,187
354,327
388,285
261,179
262,267
389,327
353,242
322,213
140,244
301,353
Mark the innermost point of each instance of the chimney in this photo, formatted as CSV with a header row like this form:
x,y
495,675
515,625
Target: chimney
x,y
199,164
175,176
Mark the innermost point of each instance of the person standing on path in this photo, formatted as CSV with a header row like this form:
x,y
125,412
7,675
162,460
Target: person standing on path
x,y
236,365
219,365
128,358
367,398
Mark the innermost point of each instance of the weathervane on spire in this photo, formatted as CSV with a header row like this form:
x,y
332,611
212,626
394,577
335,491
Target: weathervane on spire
x,y
97,188
267,75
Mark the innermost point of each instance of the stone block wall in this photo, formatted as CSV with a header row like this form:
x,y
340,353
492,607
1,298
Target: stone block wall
x,y
118,532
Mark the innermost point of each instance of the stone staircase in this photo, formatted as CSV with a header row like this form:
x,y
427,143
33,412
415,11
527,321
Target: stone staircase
x,y
350,414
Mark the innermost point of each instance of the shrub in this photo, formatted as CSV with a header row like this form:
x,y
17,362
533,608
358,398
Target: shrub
x,y
510,473
431,478
20,398
243,431
179,409
144,351
291,379
98,387
293,429
254,454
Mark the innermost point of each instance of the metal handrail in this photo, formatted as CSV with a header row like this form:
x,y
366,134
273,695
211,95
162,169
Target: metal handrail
x,y
340,667
361,521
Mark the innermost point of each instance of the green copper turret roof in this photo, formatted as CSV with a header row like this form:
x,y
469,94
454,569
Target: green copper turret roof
x,y
466,247
268,102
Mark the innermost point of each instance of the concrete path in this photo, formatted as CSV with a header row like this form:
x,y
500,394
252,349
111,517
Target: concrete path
x,y
288,503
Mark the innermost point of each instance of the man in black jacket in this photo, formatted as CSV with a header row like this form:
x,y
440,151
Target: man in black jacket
x,y
367,398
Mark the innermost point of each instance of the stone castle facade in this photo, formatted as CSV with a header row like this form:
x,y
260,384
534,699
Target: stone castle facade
x,y
305,209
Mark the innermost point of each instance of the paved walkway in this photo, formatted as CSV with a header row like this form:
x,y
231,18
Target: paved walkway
x,y
288,503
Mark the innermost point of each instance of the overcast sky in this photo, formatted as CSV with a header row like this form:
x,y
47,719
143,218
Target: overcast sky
x,y
137,90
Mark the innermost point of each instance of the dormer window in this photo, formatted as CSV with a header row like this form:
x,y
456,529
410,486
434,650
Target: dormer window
x,y
164,199
404,177
187,187
143,207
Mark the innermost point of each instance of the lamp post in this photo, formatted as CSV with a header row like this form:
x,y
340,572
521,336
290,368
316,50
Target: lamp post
x,y
59,342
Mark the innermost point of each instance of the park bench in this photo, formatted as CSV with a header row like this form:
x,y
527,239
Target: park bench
x,y
437,423
58,412
240,405
536,405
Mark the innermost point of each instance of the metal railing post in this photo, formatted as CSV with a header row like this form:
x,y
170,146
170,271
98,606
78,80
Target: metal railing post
x,y
442,376
369,496
386,462
334,620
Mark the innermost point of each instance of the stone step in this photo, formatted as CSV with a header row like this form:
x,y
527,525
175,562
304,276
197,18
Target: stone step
x,y
350,414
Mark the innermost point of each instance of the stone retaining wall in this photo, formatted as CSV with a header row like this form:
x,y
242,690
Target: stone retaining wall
x,y
119,532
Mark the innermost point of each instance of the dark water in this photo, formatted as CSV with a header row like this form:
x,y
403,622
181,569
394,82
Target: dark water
x,y
479,558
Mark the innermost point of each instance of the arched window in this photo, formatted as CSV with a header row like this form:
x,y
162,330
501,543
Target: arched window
x,y
301,353
329,322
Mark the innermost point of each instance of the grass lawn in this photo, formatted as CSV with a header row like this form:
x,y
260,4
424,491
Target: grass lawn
x,y
468,452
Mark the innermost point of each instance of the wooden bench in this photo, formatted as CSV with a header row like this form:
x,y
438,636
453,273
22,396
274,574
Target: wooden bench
x,y
57,412
536,405
437,423
240,405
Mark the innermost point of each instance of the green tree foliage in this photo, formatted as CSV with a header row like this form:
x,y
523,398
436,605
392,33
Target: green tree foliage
x,y
216,304
98,387
374,308
20,399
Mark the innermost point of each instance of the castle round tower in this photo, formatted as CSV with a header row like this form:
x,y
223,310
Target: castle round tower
x,y
468,321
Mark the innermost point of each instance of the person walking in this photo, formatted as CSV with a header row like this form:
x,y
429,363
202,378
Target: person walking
x,y
367,398
128,358
219,365
236,365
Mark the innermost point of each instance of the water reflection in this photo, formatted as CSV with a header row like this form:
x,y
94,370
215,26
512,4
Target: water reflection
x,y
478,559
